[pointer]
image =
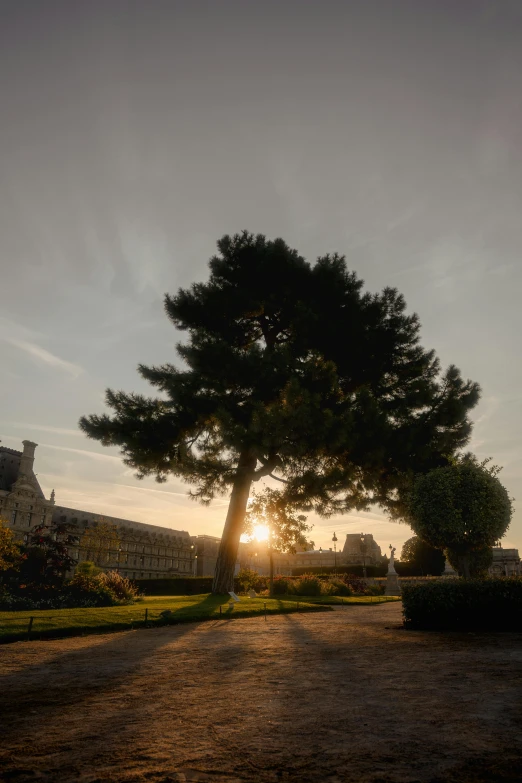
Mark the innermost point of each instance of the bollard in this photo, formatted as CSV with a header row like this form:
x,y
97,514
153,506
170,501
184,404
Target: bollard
x,y
265,610
146,614
220,608
29,628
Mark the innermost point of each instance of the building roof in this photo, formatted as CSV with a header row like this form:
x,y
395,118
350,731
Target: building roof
x,y
130,523
14,452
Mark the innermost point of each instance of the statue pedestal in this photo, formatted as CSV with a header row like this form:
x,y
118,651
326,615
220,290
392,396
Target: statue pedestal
x,y
392,584
448,569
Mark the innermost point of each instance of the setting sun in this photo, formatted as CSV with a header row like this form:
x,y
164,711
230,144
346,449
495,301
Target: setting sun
x,y
260,532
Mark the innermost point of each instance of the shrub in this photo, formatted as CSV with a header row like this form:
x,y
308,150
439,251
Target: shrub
x,y
248,579
375,589
329,588
87,568
307,585
15,603
342,588
464,604
340,570
121,587
283,585
355,584
88,591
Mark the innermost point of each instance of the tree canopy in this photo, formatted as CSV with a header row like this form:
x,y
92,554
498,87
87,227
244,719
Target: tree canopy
x,y
10,554
421,557
290,371
461,508
288,529
46,558
98,540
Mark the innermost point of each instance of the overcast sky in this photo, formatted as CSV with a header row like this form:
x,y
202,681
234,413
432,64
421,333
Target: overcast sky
x,y
134,134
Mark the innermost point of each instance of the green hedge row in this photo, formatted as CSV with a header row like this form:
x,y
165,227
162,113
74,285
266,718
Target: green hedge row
x,y
356,570
464,605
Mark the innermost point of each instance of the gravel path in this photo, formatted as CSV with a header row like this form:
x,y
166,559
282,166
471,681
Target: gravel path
x,y
339,696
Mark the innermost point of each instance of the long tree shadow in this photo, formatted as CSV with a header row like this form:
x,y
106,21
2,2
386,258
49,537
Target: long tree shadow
x,y
203,610
42,682
118,700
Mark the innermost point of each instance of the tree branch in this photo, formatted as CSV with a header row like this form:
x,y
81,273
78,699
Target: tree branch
x,y
267,467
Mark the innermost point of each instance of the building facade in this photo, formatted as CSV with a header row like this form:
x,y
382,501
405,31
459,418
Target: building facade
x,y
359,548
134,549
506,562
141,551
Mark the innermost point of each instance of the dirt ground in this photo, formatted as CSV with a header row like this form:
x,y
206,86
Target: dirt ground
x,y
337,696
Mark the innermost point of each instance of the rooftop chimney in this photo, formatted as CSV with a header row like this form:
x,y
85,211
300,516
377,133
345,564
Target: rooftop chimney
x,y
27,461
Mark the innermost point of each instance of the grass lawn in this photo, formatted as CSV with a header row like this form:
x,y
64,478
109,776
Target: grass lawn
x,y
71,622
335,600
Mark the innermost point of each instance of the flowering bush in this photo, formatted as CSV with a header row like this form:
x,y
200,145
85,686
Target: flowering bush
x,y
121,587
375,589
338,587
81,591
248,579
306,585
88,591
356,585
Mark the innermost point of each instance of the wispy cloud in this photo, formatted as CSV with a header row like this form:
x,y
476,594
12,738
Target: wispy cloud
x,y
84,453
45,357
149,489
20,425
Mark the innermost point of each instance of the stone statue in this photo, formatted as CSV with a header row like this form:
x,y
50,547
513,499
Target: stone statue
x,y
391,567
392,579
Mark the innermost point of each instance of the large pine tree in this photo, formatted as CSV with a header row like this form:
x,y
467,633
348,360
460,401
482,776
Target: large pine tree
x,y
291,371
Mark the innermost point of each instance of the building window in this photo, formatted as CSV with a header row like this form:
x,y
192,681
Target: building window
x,y
14,516
29,518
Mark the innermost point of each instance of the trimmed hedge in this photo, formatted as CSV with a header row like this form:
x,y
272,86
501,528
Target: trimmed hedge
x,y
464,605
356,570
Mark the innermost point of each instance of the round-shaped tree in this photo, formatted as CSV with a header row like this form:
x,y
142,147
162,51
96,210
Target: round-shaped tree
x,y
462,508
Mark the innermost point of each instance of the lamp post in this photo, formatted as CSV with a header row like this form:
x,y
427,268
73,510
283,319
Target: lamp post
x,y
271,562
335,539
193,557
363,552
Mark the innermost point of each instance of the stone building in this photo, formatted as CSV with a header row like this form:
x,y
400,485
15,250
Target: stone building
x,y
506,562
22,502
135,549
359,548
206,554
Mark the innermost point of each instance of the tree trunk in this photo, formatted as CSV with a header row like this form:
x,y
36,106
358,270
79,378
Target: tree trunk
x,y
463,565
227,554
271,560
